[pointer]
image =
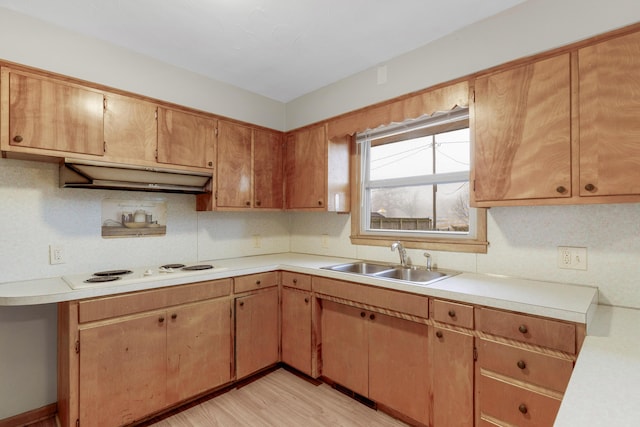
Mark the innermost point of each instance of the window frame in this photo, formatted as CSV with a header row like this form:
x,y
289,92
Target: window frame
x,y
361,235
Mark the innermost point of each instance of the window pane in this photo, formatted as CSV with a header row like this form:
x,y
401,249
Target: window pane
x,y
452,202
402,208
453,151
402,159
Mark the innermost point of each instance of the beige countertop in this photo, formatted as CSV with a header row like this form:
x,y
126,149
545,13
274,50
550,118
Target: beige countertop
x,y
561,301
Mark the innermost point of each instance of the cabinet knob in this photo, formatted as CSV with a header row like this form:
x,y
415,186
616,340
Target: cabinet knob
x,y
439,334
17,138
258,282
561,189
523,408
589,187
523,329
174,316
210,163
258,203
319,202
521,364
362,314
295,281
161,319
306,300
248,203
372,316
452,313
241,303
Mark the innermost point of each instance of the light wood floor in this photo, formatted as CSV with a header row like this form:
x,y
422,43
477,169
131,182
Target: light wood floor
x,y
281,399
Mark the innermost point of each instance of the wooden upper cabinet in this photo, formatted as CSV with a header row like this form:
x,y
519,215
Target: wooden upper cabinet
x,y
522,119
268,186
234,165
47,114
130,130
185,139
316,171
609,92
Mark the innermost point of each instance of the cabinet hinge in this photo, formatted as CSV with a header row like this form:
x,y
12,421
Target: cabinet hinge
x,y
77,346
104,146
104,103
156,114
475,353
473,96
216,195
474,185
156,154
216,132
77,422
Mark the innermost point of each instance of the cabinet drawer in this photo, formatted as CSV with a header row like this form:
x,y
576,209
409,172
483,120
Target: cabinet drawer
x,y
452,313
253,282
296,280
515,405
120,305
525,365
533,330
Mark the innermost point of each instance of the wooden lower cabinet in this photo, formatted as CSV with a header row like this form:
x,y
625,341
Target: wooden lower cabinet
x,y
381,357
296,329
452,379
257,332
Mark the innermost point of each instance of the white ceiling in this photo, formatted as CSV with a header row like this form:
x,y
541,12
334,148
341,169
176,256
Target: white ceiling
x,y
281,49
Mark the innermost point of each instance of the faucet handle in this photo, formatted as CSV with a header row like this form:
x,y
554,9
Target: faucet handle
x,y
427,255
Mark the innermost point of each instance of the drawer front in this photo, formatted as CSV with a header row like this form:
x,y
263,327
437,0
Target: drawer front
x,y
254,282
296,280
514,405
533,330
452,313
121,305
529,366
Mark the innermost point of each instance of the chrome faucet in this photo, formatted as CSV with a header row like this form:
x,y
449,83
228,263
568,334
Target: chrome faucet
x,y
401,251
427,255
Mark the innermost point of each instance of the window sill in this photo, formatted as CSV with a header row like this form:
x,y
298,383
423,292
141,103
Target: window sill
x,y
458,245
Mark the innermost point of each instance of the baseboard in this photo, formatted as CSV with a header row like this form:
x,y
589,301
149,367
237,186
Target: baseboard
x,y
30,417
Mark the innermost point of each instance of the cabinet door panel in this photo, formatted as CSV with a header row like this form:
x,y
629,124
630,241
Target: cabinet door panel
x,y
199,348
452,379
609,111
185,139
51,115
296,329
256,332
522,147
268,172
234,165
345,346
306,169
399,365
122,370
130,130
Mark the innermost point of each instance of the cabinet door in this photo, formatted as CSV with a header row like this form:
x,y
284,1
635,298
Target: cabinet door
x,y
52,115
257,335
296,329
452,380
185,139
199,348
267,170
345,346
609,110
306,169
122,370
130,130
522,147
399,365
234,165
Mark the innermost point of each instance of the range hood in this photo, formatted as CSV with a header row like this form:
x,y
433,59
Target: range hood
x,y
79,173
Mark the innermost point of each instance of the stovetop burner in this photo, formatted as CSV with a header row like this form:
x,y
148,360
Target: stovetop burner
x,y
101,279
198,267
112,273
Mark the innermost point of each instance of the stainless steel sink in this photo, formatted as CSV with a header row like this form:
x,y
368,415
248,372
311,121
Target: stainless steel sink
x,y
414,275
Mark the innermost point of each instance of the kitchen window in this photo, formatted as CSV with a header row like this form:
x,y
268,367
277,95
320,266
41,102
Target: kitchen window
x,y
414,185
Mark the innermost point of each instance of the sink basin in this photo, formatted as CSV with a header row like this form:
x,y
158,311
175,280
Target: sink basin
x,y
414,275
367,268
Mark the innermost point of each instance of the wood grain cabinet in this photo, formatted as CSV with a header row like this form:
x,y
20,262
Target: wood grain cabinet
x,y
296,331
524,365
50,117
126,357
256,323
316,171
249,172
186,139
522,146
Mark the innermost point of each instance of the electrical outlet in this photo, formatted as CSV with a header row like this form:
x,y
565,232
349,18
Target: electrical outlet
x,y
257,241
56,254
572,258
